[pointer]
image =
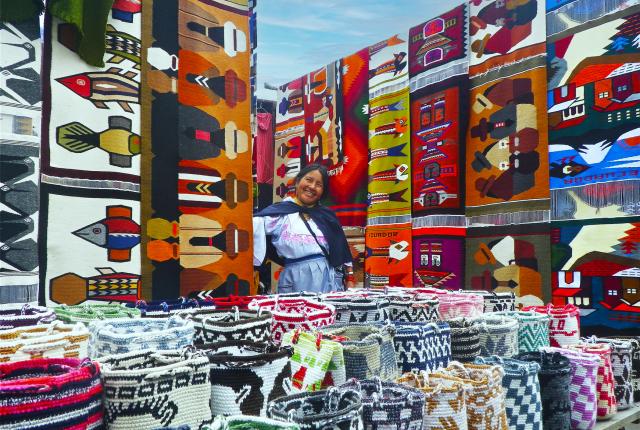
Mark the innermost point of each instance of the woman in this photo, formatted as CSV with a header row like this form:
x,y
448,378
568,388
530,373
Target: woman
x,y
305,237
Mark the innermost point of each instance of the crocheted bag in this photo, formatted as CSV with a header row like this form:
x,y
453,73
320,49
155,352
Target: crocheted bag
x,y
445,404
230,302
350,309
368,349
289,314
150,389
564,323
495,302
234,324
248,422
51,393
55,340
635,364
422,346
582,391
117,336
247,375
163,308
406,308
86,313
335,408
621,363
454,305
21,315
498,335
486,408
389,405
533,329
520,381
555,382
316,363
605,386
465,339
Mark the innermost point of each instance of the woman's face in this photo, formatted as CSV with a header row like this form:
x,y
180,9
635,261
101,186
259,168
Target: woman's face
x,y
310,188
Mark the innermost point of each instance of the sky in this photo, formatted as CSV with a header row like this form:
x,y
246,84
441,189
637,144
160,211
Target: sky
x,y
298,36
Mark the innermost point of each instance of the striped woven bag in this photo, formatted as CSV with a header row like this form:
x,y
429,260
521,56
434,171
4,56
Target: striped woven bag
x,y
55,340
605,386
465,339
21,315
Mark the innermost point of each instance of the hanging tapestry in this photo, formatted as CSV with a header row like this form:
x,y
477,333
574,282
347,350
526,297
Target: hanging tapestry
x,y
566,14
90,166
348,185
594,126
595,267
388,71
289,137
388,256
510,259
20,106
438,257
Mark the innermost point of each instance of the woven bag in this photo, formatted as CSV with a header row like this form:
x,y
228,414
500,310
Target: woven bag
x,y
494,301
368,349
533,329
389,405
233,324
486,408
454,305
582,391
498,335
248,422
289,314
635,364
465,339
163,309
335,408
445,405
151,389
359,310
522,388
621,363
55,340
564,323
51,393
316,363
230,302
86,313
21,315
605,385
410,309
422,346
117,336
555,383
245,376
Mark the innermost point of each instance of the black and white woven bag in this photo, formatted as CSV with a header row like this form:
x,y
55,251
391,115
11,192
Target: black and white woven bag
x,y
359,310
498,335
465,339
407,308
233,324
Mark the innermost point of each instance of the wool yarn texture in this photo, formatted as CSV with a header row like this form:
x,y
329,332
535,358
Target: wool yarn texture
x,y
316,363
635,364
85,313
117,336
388,404
465,339
359,310
422,346
445,405
564,323
405,308
233,301
621,363
498,335
21,315
522,389
454,305
555,382
51,393
368,349
486,409
245,376
494,301
582,391
248,422
151,389
533,329
605,386
327,409
233,324
295,313
54,340
164,309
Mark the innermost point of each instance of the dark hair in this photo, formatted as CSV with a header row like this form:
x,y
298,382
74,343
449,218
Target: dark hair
x,y
323,172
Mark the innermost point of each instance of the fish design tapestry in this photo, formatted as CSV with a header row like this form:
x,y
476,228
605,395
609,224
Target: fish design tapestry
x,y
594,125
201,70
388,256
20,117
388,68
439,257
90,165
511,258
595,267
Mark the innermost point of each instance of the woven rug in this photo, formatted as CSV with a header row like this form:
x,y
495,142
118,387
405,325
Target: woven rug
x,y
510,259
438,257
594,266
388,256
388,69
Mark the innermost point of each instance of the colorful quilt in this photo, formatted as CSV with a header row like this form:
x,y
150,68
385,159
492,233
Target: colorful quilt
x,y
388,256
20,116
510,259
438,257
595,267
